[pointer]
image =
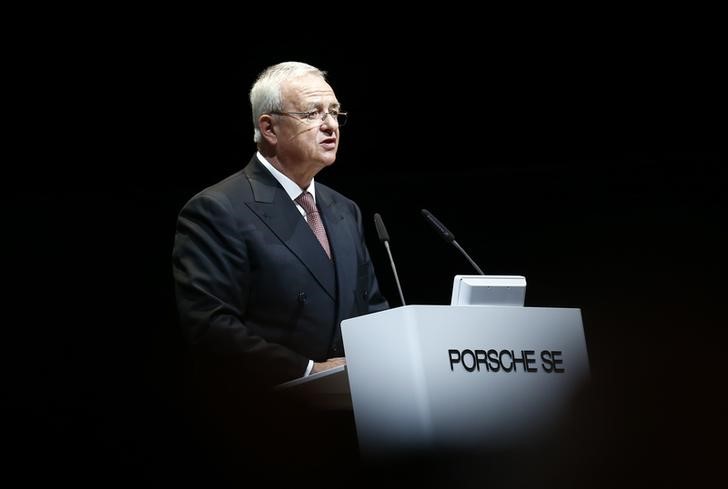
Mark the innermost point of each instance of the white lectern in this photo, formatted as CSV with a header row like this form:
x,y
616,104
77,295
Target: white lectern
x,y
457,377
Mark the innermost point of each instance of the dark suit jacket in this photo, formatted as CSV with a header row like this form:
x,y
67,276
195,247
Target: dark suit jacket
x,y
255,287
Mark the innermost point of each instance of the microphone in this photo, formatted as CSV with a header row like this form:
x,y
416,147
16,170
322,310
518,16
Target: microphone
x,y
384,237
448,237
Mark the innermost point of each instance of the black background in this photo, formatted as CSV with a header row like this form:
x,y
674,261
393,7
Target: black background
x,y
592,170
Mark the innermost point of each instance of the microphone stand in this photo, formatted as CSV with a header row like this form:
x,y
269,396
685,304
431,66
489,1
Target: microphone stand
x,y
394,269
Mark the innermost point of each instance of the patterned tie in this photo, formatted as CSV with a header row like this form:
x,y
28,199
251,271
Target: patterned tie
x,y
305,200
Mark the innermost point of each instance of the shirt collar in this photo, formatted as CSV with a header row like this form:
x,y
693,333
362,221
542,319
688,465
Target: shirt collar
x,y
291,187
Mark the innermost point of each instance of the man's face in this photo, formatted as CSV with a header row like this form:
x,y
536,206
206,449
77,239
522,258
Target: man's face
x,y
302,141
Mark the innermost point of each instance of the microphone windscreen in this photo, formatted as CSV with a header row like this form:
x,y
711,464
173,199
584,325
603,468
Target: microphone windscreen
x,y
442,230
381,230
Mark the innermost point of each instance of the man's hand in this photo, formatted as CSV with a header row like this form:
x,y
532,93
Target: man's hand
x,y
328,364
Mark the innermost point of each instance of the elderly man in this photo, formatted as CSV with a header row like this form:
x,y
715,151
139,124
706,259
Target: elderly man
x,y
267,262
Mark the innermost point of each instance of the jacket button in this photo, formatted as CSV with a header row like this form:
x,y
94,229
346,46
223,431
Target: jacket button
x,y
302,299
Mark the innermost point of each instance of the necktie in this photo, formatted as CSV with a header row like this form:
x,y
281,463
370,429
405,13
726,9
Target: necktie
x,y
305,200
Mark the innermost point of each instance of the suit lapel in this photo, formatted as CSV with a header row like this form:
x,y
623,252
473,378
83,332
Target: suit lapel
x,y
275,208
342,244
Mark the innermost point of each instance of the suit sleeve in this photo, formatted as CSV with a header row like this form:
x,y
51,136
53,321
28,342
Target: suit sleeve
x,y
212,282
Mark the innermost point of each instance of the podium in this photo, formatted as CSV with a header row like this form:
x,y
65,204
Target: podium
x,y
424,378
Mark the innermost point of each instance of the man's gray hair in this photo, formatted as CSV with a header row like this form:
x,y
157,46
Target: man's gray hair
x,y
265,96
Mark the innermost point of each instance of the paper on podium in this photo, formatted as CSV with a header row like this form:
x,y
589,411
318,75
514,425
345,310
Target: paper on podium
x,y
325,390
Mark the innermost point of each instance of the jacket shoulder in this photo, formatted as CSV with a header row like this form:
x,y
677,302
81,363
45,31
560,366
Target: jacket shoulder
x,y
232,189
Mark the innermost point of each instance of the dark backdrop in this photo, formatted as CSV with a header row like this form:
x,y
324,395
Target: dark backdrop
x,y
598,180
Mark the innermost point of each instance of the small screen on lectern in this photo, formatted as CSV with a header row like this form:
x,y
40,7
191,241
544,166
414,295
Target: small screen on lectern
x,y
488,290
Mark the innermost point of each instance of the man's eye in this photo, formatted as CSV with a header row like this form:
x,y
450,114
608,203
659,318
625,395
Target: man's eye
x,y
312,115
333,112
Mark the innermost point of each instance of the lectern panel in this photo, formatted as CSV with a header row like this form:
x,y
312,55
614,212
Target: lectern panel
x,y
424,377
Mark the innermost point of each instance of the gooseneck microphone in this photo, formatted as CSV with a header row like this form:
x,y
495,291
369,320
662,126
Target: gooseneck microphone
x,y
384,237
448,237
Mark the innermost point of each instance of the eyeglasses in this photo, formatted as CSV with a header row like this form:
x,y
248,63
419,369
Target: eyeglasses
x,y
313,115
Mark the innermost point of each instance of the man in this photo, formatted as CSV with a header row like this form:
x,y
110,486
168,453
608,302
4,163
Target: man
x,y
265,273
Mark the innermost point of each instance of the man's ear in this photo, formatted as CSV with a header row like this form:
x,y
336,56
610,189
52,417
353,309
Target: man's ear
x,y
265,125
